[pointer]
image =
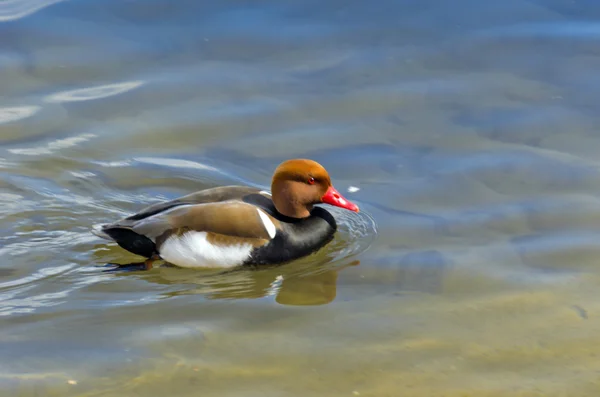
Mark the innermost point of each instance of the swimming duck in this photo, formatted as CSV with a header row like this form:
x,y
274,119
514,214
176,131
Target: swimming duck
x,y
236,225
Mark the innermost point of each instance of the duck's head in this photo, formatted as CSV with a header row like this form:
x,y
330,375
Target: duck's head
x,y
298,184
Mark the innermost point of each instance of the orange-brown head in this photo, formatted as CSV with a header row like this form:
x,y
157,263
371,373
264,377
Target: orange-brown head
x,y
299,184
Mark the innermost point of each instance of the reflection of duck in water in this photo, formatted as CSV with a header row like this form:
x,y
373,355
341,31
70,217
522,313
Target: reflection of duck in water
x,y
294,284
231,226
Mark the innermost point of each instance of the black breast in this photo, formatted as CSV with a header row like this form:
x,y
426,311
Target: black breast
x,y
297,239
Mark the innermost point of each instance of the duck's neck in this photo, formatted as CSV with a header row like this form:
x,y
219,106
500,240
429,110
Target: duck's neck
x,y
312,233
292,211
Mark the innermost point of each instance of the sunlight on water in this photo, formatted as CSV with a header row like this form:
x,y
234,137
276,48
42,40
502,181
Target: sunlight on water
x,y
53,146
92,93
11,10
176,163
8,115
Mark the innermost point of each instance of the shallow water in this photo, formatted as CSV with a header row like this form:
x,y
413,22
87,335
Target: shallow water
x,y
469,129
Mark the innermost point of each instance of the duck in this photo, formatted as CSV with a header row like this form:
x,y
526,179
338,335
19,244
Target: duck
x,y
231,226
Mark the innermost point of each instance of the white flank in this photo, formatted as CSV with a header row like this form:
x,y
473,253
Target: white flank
x,y
193,250
269,226
265,192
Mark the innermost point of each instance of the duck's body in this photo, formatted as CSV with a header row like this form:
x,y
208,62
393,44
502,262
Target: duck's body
x,y
235,225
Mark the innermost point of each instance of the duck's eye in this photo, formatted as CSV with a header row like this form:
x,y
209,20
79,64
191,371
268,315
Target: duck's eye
x,y
311,181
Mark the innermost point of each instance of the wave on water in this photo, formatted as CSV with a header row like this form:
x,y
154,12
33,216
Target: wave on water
x,y
11,10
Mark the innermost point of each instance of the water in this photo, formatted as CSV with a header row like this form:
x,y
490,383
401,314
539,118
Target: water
x,y
469,128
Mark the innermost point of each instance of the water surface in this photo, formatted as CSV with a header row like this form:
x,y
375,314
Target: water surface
x,y
465,130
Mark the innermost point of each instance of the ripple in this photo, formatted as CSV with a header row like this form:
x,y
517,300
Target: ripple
x,y
112,164
177,163
11,10
46,242
589,30
53,146
180,163
358,231
91,93
31,303
37,276
4,163
8,115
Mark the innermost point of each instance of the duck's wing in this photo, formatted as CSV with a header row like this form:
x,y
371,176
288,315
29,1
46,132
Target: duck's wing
x,y
221,223
213,195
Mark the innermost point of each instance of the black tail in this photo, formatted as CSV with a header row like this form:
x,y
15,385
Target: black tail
x,y
130,240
